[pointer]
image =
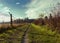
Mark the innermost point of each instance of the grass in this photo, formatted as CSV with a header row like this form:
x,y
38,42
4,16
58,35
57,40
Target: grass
x,y
43,34
14,35
36,34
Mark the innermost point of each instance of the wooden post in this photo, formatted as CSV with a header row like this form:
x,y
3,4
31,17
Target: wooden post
x,y
11,19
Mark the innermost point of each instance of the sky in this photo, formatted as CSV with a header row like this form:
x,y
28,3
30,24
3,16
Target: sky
x,y
25,8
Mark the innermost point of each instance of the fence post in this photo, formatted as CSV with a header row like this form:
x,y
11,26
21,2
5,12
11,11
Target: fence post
x,y
11,22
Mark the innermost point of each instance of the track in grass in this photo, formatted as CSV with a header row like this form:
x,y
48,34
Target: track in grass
x,y
25,35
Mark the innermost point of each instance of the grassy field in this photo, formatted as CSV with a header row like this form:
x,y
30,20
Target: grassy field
x,y
36,34
43,34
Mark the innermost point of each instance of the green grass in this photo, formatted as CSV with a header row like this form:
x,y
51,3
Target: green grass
x,y
15,34
43,34
36,34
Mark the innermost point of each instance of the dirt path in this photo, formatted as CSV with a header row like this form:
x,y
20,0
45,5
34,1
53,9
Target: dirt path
x,y
25,35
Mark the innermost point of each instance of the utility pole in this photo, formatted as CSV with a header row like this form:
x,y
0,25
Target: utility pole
x,y
11,22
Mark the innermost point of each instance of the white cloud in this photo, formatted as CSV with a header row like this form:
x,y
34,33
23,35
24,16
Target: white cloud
x,y
4,14
5,10
31,13
36,7
18,3
4,18
19,17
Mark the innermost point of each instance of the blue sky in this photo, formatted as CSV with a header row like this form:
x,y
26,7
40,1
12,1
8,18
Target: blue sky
x,y
16,6
25,8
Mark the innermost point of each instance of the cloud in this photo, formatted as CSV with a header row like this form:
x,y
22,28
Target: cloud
x,y
4,18
36,7
18,3
5,10
4,14
31,13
